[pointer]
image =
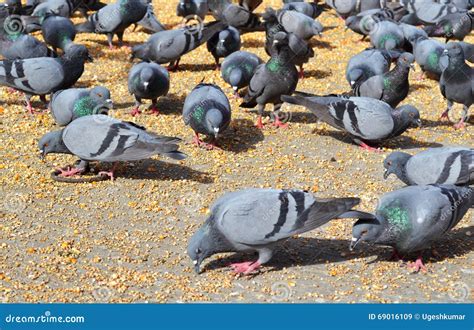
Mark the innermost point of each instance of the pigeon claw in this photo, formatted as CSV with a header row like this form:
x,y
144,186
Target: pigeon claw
x,y
365,146
69,172
109,174
260,123
135,111
460,125
245,268
154,110
279,124
444,116
418,265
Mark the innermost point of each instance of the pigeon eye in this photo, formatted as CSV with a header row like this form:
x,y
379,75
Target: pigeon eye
x,y
198,251
99,95
364,232
46,144
412,115
389,163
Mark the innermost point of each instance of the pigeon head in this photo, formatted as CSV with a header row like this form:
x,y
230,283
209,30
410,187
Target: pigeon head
x,y
455,52
101,95
236,78
395,164
410,115
78,52
355,76
280,40
367,230
52,142
214,121
406,61
140,51
146,77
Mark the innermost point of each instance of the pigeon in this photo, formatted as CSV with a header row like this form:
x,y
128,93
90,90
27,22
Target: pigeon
x,y
364,22
310,9
447,165
411,34
224,43
250,5
453,26
257,219
44,75
346,8
428,53
148,81
468,50
168,46
70,104
188,8
366,64
301,51
85,6
238,69
457,82
411,219
387,35
364,119
105,139
149,22
59,32
115,18
23,46
235,15
434,13
301,25
62,8
207,110
391,87
272,80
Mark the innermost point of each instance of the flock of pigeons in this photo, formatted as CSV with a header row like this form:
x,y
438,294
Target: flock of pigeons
x,y
410,219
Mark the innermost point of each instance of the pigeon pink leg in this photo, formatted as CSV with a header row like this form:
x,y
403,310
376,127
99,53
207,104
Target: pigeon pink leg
x,y
245,267
418,265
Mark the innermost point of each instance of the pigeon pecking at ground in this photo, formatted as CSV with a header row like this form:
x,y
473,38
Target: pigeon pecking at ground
x,y
104,139
114,19
457,82
365,119
148,81
413,218
224,43
366,64
207,110
44,75
188,8
391,87
170,45
446,165
70,104
257,219
272,80
238,69
59,32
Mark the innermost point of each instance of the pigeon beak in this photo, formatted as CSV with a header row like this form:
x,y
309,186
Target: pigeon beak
x,y
386,174
145,84
89,58
354,242
216,132
412,66
42,155
110,103
197,267
275,42
235,88
445,52
352,83
418,123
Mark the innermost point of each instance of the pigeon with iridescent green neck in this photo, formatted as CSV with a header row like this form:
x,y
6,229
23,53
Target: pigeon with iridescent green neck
x,y
387,35
411,219
391,87
70,104
428,53
238,69
452,26
59,32
272,80
207,110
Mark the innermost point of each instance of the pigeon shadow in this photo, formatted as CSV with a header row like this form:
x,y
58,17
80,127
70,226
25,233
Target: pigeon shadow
x,y
252,43
316,43
171,104
197,67
415,87
301,251
152,169
318,74
303,118
241,136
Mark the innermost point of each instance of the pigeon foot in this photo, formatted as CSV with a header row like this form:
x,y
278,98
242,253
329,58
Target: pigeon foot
x,y
260,123
418,265
201,144
110,174
365,146
279,124
460,125
245,268
135,111
70,172
154,110
444,116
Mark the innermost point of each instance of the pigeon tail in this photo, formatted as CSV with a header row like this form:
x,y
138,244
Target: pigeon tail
x,y
86,27
319,109
177,155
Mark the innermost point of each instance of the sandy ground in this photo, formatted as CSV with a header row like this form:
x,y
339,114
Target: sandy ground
x,y
125,241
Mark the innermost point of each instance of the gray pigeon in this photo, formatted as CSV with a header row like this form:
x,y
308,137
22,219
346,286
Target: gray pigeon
x,y
114,19
391,87
310,9
346,8
224,43
468,50
44,75
428,11
428,53
59,32
366,64
62,8
235,15
365,119
299,24
364,22
148,81
70,104
412,33
238,69
457,82
207,110
387,35
447,165
105,139
23,46
272,80
188,8
257,219
413,218
453,26
168,46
